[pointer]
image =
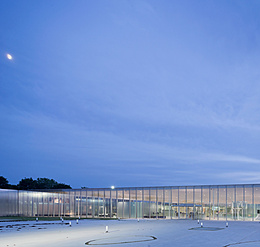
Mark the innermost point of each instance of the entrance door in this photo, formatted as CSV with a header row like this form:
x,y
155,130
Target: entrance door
x,y
190,213
174,212
197,213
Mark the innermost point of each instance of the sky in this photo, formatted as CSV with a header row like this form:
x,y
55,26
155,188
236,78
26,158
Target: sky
x,y
130,93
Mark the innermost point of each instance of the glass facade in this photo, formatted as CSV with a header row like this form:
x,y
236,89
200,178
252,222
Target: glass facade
x,y
223,202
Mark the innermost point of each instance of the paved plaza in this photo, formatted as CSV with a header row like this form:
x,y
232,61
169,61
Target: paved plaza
x,y
129,233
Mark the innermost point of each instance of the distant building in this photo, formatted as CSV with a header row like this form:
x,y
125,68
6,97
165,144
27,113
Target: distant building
x,y
213,202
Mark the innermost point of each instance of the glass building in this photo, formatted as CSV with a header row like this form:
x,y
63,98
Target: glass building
x,y
212,202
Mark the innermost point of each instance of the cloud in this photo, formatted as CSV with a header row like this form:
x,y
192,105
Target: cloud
x,y
117,146
243,177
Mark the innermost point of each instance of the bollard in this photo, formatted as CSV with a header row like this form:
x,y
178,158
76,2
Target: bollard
x,y
201,224
119,218
70,223
106,229
36,219
198,221
77,221
79,217
137,220
226,224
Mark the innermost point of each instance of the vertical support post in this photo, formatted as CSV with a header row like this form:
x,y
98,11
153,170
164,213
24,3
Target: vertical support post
x,y
142,203
170,203
244,200
17,204
201,199
149,202
235,201
193,193
93,204
253,202
80,206
218,201
116,203
123,208
98,203
213,202
210,208
110,203
129,204
156,202
163,202
87,203
69,203
226,202
186,192
37,204
28,202
178,202
32,193
136,204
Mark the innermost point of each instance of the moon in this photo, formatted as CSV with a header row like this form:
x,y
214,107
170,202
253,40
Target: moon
x,y
9,56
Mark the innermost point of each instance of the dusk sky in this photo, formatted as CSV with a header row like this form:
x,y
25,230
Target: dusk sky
x,y
130,93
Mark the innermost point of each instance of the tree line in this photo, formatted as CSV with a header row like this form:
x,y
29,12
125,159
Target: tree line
x,y
31,184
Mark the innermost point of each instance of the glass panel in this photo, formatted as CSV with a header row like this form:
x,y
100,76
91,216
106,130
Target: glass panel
x,y
114,204
182,203
239,204
83,204
146,204
90,212
153,203
230,203
120,203
222,203
139,203
72,203
257,202
49,204
77,203
190,204
126,204
197,203
107,206
214,203
133,203
101,210
249,207
174,205
205,203
67,205
160,208
167,202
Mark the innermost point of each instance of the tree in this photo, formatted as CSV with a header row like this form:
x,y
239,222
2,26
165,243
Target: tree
x,y
61,186
41,183
27,184
45,183
4,184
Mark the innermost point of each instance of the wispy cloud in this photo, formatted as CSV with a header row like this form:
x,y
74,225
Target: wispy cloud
x,y
244,177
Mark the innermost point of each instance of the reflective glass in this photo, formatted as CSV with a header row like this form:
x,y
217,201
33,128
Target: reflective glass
x,y
175,204
222,203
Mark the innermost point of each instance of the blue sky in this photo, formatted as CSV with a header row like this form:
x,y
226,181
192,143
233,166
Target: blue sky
x,y
130,93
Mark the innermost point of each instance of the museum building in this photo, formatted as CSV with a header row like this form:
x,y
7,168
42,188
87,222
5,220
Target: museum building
x,y
206,202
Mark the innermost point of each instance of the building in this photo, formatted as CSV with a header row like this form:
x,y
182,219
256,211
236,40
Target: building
x,y
212,202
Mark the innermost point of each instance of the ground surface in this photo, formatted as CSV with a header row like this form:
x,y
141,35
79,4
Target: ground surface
x,y
129,233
